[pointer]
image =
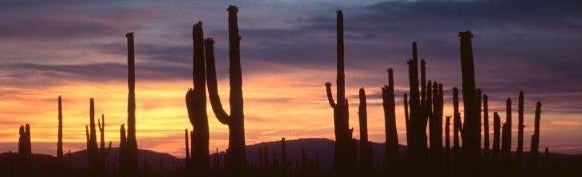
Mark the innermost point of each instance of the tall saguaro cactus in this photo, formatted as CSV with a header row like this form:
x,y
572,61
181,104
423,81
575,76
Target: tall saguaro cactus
x,y
236,152
366,160
196,101
92,148
472,123
520,126
131,137
344,157
60,160
418,116
392,149
506,131
535,138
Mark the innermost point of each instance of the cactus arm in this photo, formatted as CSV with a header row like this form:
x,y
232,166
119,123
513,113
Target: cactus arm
x,y
221,115
329,95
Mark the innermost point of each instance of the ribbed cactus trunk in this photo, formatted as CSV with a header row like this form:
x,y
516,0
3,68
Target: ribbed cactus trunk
x,y
389,104
344,156
486,140
236,153
60,160
131,137
535,138
472,124
520,126
366,159
196,101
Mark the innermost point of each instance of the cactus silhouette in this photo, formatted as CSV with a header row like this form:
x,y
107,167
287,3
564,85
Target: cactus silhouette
x,y
436,123
535,138
418,118
131,152
506,132
196,101
520,126
103,152
92,148
472,120
366,159
24,148
60,160
344,156
236,152
392,149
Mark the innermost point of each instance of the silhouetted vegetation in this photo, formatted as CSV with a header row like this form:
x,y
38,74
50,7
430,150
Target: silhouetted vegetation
x,y
423,103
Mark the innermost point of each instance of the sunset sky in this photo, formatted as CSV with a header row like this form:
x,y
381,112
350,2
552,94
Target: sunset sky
x,y
77,49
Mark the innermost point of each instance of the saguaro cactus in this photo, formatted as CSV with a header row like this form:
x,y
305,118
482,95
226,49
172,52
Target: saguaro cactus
x,y
196,100
418,117
60,134
472,123
103,152
344,157
520,126
392,149
535,138
92,148
24,145
436,123
131,137
506,131
366,155
236,152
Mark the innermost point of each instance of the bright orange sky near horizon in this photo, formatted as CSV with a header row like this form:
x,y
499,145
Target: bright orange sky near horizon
x,y
276,106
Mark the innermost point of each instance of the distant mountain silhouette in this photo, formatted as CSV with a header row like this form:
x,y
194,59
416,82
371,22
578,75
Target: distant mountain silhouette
x,y
322,147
